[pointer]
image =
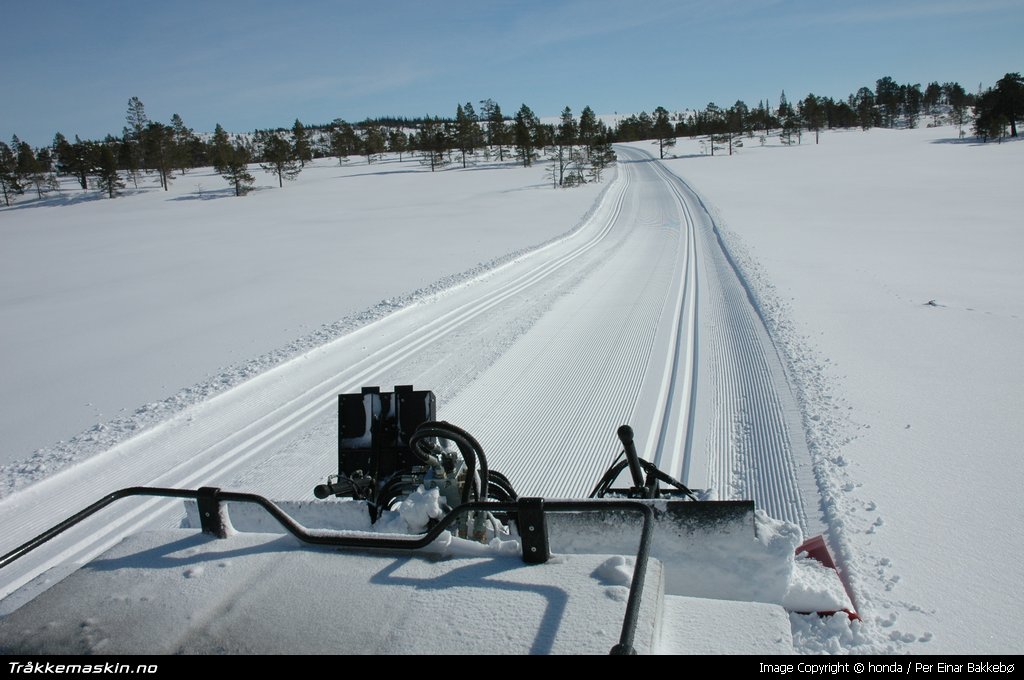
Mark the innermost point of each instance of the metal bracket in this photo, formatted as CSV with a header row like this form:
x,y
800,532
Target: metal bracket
x,y
533,530
210,511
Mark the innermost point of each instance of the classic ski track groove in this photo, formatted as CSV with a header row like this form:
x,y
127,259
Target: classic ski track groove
x,y
754,446
703,402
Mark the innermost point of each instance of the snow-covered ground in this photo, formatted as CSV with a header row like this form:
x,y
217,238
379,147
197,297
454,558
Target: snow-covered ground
x,y
542,357
909,408
115,313
888,266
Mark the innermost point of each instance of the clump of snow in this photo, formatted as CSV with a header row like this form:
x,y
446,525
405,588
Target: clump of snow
x,y
779,537
836,634
419,507
731,560
815,587
756,567
616,571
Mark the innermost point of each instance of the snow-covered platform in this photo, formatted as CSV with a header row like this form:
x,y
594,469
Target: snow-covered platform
x,y
183,592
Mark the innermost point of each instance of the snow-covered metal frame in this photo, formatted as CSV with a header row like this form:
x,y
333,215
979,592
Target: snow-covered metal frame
x,y
530,514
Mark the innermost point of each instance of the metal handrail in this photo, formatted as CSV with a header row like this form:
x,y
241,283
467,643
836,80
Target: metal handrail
x,y
210,498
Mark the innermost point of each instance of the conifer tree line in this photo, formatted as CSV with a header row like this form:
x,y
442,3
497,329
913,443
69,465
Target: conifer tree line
x,y
574,150
889,104
167,151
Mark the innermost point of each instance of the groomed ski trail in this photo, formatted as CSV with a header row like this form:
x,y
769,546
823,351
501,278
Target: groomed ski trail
x,y
636,318
276,434
663,337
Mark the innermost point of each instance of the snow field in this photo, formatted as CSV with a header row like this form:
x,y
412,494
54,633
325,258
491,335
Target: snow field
x,y
911,409
166,298
831,329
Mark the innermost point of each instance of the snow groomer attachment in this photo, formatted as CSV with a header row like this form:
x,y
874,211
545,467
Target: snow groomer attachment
x,y
391,447
388,449
409,485
393,453
394,456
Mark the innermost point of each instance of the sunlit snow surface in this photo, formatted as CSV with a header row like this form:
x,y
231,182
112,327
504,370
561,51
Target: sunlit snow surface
x,y
885,265
116,313
180,591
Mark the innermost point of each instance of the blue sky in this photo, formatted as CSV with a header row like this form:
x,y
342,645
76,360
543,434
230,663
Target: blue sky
x,y
72,65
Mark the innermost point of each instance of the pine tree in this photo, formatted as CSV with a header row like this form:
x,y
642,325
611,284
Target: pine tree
x,y
988,120
182,148
787,118
108,179
398,142
812,111
344,141
543,135
128,158
912,99
568,166
714,125
9,173
278,156
160,151
839,114
234,167
957,99
524,133
932,95
739,117
602,155
1010,89
999,107
589,129
736,119
136,117
43,178
568,131
25,164
756,119
59,146
137,122
565,138
497,131
864,103
373,142
646,125
467,130
628,129
432,142
76,159
221,149
300,143
663,130
887,96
